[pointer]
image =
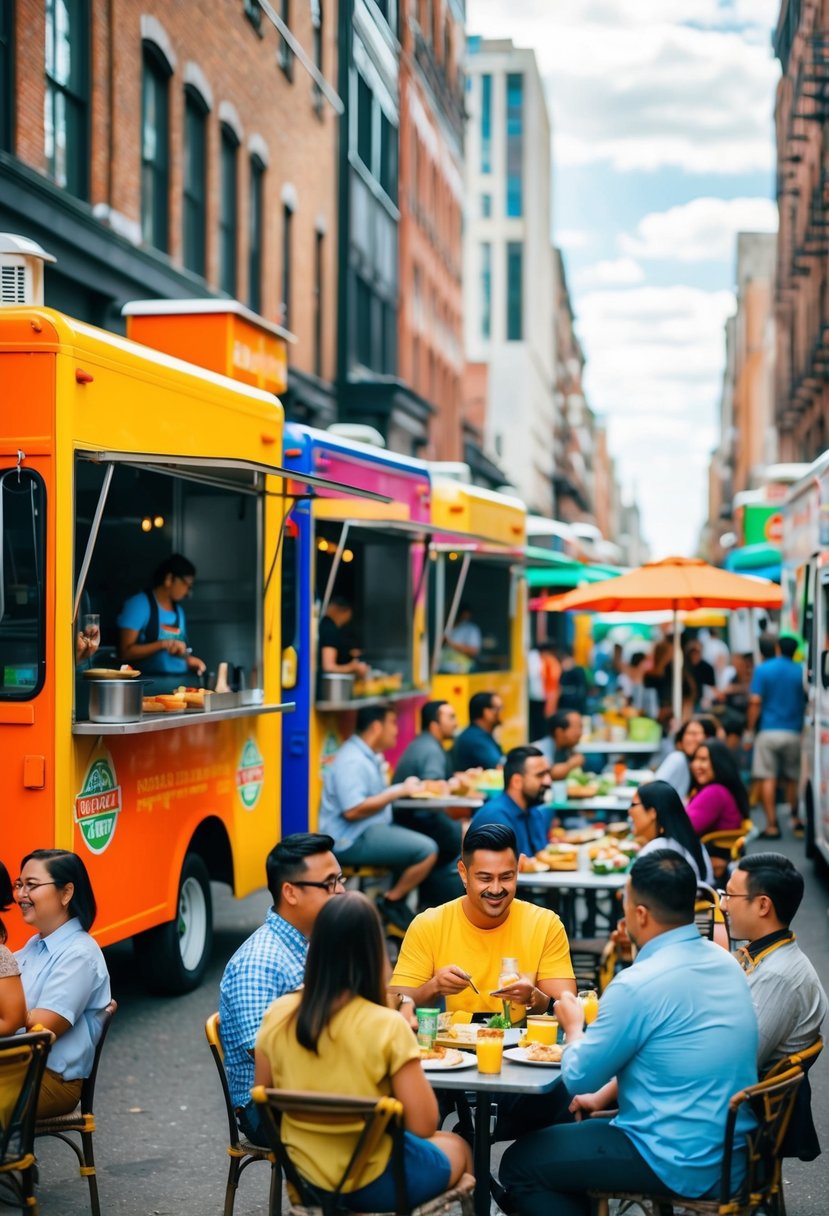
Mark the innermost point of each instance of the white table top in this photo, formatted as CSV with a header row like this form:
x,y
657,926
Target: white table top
x,y
582,879
512,1079
438,803
590,747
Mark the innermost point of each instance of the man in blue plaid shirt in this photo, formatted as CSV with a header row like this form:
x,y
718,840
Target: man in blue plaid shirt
x,y
303,874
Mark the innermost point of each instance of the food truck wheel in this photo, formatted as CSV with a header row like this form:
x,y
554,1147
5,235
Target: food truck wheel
x,y
173,957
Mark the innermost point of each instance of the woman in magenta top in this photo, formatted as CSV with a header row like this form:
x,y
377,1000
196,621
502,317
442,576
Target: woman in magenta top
x,y
718,801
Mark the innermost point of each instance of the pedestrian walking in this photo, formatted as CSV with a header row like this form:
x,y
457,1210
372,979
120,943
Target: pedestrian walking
x,y
775,710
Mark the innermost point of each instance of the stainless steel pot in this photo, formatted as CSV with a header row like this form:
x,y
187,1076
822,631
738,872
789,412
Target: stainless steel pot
x,y
336,687
115,700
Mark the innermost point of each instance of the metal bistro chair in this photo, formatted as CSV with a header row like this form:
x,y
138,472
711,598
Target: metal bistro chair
x,y
241,1152
724,848
82,1119
338,1114
801,1137
22,1063
707,911
772,1102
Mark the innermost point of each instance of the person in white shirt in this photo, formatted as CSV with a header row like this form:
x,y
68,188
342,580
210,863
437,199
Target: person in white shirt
x,y
660,821
462,644
676,767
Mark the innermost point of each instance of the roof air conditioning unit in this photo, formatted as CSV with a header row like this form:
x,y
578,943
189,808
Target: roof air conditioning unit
x,y
357,433
21,269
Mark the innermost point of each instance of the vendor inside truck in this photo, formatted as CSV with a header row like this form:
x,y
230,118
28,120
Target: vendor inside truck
x,y
152,630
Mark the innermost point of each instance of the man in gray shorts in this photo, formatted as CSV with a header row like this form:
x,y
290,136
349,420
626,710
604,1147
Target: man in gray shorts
x,y
775,707
356,809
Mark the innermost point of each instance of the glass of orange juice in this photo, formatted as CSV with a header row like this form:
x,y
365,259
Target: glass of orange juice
x,y
489,1049
589,998
542,1029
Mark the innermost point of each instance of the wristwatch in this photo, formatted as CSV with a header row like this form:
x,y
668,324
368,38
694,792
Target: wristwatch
x,y
403,998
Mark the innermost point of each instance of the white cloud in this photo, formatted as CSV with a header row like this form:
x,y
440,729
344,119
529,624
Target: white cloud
x,y
702,230
632,84
654,364
619,272
572,238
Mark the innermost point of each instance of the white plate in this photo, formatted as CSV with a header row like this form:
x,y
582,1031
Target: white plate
x,y
453,1059
519,1055
469,1035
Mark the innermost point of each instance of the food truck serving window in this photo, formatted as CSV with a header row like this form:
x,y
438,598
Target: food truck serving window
x,y
22,589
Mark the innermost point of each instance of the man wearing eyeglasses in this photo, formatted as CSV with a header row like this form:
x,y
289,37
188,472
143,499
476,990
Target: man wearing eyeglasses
x,y
760,901
303,874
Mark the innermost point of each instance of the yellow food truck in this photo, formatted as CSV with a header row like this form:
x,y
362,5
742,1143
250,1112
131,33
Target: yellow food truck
x,y
478,574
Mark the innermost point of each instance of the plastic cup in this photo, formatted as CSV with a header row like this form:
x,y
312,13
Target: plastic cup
x,y
489,1049
542,1029
427,1026
92,626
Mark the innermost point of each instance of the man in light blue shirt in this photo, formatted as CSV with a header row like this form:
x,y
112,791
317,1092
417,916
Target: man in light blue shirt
x,y
303,874
356,809
675,1038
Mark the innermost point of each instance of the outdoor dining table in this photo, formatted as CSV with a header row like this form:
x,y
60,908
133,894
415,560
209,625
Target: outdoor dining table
x,y
569,884
455,807
514,1078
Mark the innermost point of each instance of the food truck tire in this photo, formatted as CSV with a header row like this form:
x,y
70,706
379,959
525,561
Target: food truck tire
x,y
173,957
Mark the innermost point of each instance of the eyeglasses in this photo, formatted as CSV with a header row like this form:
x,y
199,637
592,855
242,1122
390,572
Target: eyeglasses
x,y
30,886
724,896
328,884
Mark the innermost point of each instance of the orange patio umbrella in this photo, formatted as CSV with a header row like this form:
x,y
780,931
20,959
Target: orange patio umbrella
x,y
679,584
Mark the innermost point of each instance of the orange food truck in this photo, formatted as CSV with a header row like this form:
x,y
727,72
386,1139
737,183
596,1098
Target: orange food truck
x,y
112,457
478,562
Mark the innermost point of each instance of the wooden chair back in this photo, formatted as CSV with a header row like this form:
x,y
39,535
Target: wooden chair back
x,y
369,1118
22,1064
772,1102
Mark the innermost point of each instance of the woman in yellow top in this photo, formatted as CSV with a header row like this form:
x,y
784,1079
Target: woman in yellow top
x,y
338,1036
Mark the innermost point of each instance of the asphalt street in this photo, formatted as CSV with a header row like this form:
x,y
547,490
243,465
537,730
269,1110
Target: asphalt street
x,y
162,1132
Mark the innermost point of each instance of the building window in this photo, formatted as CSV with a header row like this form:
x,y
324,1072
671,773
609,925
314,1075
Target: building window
x,y
316,38
66,99
228,210
486,124
388,157
6,75
486,290
155,149
365,122
194,216
319,245
286,55
486,206
255,225
515,318
287,222
515,143
253,12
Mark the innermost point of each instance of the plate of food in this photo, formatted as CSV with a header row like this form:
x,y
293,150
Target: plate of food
x,y
546,1055
110,673
436,1059
531,865
466,1034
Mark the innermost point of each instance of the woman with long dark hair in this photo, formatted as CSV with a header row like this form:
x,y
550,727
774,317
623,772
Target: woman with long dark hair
x,y
66,984
661,821
719,802
676,767
338,1036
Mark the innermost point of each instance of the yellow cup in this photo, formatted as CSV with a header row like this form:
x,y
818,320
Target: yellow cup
x,y
542,1029
590,1001
489,1049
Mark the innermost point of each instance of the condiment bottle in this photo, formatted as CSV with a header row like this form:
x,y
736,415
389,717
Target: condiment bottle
x,y
221,679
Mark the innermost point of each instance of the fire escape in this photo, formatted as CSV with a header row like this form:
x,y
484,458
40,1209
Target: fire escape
x,y
804,244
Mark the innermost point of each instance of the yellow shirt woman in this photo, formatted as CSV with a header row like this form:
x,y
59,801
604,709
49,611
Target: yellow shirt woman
x,y
359,1051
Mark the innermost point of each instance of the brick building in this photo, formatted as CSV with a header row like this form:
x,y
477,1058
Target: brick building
x,y
158,155
802,295
431,208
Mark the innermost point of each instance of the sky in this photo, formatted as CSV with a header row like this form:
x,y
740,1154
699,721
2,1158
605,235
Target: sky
x,y
663,149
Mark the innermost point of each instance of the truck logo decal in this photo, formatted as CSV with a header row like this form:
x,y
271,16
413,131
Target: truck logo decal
x,y
250,775
98,805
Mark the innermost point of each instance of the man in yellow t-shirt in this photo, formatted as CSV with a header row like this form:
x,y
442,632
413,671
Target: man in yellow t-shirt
x,y
451,950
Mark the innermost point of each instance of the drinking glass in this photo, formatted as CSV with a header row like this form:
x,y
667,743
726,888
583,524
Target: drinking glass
x,y
91,624
589,998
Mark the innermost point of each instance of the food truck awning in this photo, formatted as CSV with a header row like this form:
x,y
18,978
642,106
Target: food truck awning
x,y
547,569
417,528
233,473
